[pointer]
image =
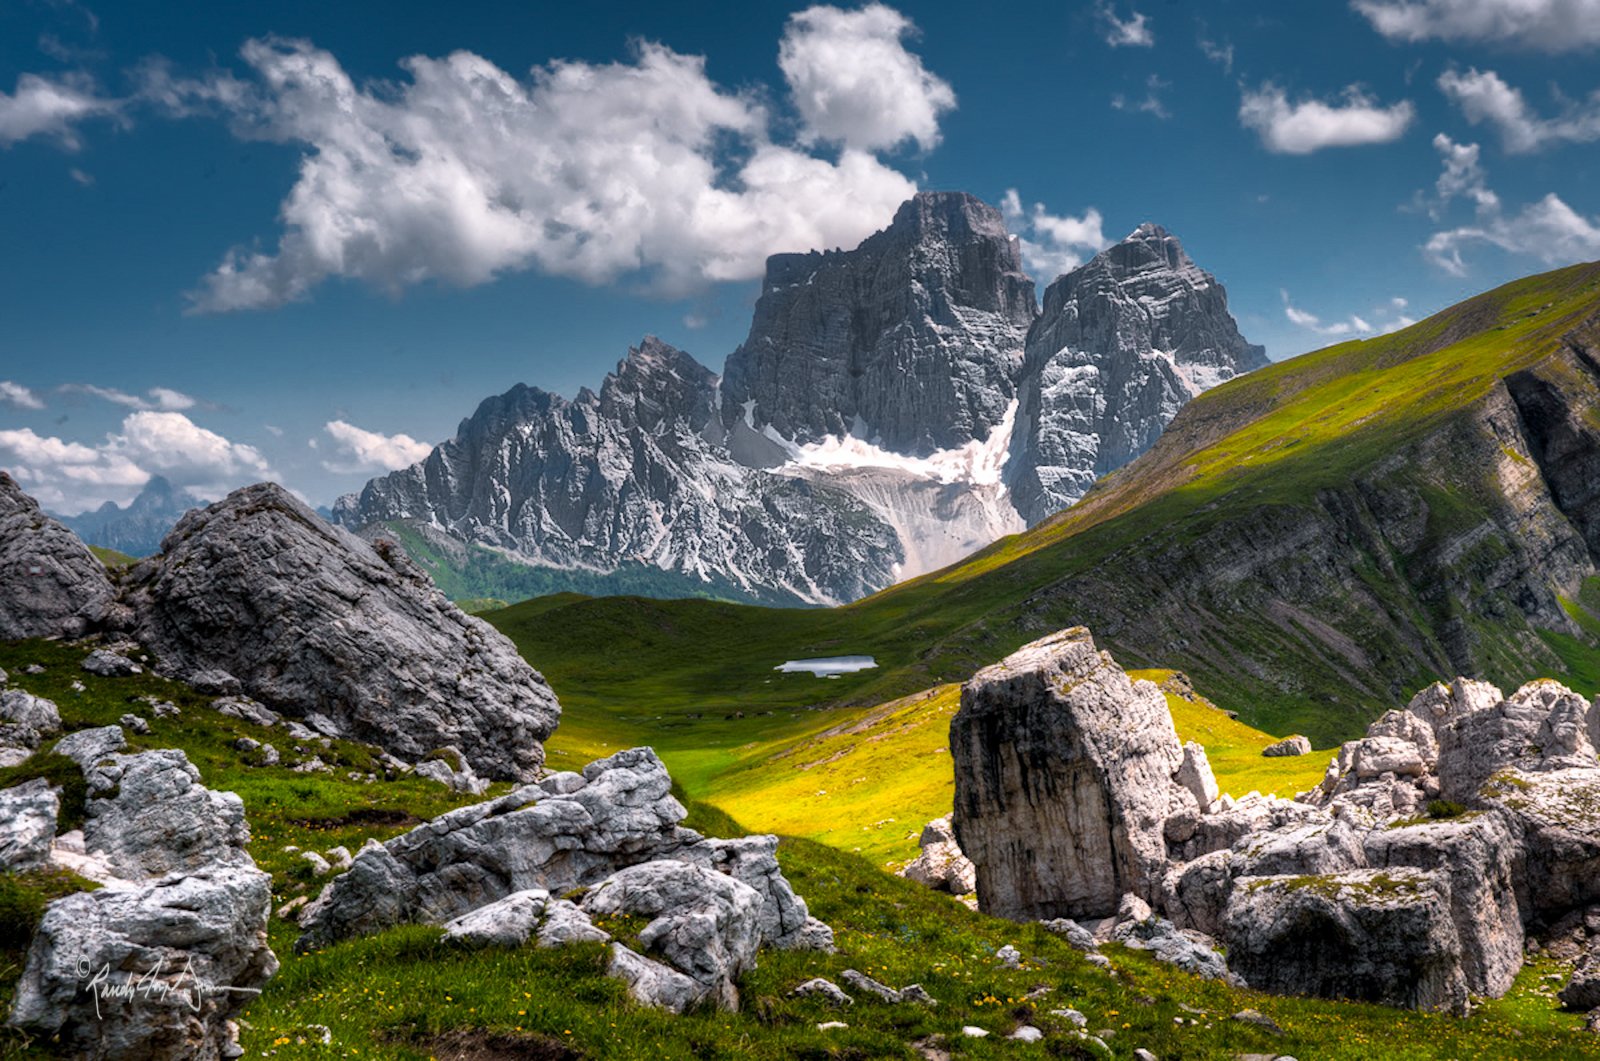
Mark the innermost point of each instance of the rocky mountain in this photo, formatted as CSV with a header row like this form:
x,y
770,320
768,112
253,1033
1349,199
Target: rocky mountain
x,y
137,528
636,474
1123,343
866,431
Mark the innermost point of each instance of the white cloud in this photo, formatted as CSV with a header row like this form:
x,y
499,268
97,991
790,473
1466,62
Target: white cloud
x,y
50,107
71,477
591,171
1059,244
359,450
1385,319
1131,32
1218,52
1548,230
1310,125
163,399
1485,97
854,82
15,394
1537,25
1151,104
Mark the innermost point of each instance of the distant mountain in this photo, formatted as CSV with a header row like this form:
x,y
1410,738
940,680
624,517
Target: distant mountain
x,y
866,431
138,528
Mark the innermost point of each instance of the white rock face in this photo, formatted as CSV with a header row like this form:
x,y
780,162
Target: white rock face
x,y
27,825
507,922
941,865
1066,773
51,585
25,721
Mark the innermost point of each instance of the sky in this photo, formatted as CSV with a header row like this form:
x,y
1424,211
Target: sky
x,y
301,241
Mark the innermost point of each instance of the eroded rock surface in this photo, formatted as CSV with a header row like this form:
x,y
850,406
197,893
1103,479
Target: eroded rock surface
x,y
51,585
1411,876
941,866
310,619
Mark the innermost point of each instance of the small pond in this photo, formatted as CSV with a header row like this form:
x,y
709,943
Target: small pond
x,y
828,666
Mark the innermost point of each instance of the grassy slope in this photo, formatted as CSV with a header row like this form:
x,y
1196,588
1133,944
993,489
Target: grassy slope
x,y
1268,440
404,995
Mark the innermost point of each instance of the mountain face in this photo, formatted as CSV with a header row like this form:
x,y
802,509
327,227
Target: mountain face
x,y
137,529
636,474
912,340
1123,343
867,430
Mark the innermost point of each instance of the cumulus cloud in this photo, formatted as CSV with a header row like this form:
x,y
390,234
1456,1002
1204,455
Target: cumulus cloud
x,y
71,477
1311,124
1536,25
1052,244
1484,97
156,398
593,171
1386,318
50,107
1548,230
1131,32
854,82
18,396
359,450
1151,104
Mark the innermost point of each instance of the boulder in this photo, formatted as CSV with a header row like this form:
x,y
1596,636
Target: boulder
x,y
310,619
1065,774
154,971
651,983
941,865
507,922
1370,935
86,747
25,721
28,815
826,990
51,585
450,768
1296,745
702,923
148,815
1192,952
1582,992
110,665
565,922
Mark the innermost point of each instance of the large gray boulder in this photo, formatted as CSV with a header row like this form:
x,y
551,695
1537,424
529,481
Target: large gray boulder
x,y
25,721
156,971
1066,774
941,865
311,619
51,585
1374,935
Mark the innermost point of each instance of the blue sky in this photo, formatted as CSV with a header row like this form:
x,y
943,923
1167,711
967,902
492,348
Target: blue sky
x,y
304,240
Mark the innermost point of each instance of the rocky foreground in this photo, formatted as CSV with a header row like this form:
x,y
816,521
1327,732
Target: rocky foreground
x,y
1451,837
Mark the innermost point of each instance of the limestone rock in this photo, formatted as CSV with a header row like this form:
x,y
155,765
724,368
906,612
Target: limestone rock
x,y
1373,935
565,923
86,747
507,922
51,585
1065,778
27,825
652,983
25,721
786,922
1190,951
310,618
1075,934
826,990
1296,745
1582,992
149,815
705,924
941,865
450,768
188,933
109,664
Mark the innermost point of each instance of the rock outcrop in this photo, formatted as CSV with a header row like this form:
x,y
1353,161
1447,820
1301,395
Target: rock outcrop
x,y
912,340
25,721
611,834
941,865
1066,774
1411,876
50,584
1124,341
257,590
159,959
